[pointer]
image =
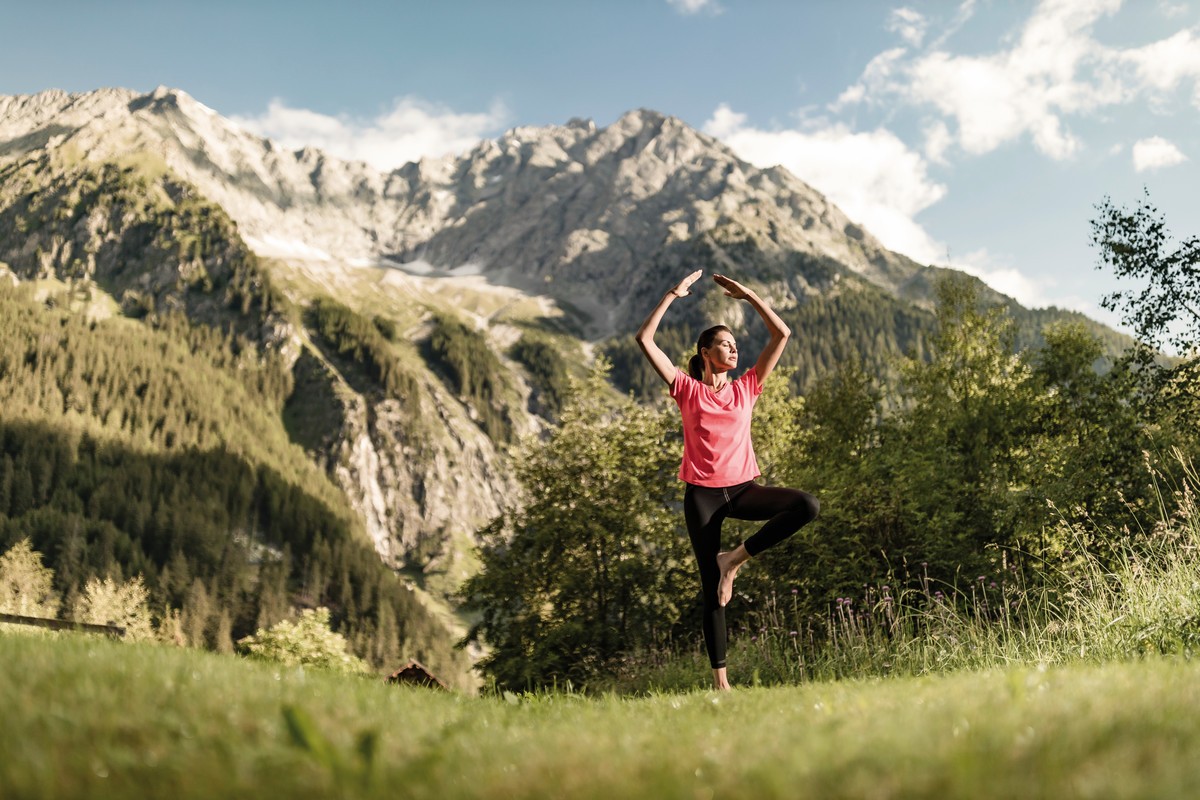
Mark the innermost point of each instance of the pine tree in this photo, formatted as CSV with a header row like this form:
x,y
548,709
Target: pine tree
x,y
197,610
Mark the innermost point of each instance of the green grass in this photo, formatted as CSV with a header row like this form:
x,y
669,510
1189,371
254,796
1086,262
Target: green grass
x,y
93,718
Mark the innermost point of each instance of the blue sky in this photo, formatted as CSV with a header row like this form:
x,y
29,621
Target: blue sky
x,y
979,134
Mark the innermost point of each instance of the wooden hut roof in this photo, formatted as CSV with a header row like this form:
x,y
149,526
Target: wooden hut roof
x,y
414,672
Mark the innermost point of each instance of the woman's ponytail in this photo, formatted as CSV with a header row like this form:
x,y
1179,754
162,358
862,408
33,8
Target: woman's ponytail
x,y
696,367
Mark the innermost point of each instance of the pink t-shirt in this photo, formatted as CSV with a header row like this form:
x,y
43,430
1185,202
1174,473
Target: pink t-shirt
x,y
716,430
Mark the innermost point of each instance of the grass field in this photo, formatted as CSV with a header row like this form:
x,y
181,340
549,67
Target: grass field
x,y
86,717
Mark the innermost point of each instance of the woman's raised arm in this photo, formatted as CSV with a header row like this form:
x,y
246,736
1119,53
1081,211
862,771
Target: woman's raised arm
x,y
778,329
645,336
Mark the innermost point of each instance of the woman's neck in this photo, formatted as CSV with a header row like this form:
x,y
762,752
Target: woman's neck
x,y
715,380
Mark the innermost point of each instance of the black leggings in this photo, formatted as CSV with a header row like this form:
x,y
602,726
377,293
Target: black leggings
x,y
705,508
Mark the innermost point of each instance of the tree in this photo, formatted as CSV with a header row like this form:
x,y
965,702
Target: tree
x,y
106,602
26,586
833,447
1086,456
965,421
1164,392
197,609
591,564
1136,244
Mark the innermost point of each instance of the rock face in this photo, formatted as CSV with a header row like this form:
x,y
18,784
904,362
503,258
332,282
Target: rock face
x,y
594,218
581,212
572,211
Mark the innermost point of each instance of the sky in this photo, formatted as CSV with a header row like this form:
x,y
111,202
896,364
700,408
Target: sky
x,y
972,133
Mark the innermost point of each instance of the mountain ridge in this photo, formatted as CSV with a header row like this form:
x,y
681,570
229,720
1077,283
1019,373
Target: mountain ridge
x,y
306,204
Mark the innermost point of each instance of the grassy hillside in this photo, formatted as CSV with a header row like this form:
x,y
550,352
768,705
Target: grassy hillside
x,y
93,718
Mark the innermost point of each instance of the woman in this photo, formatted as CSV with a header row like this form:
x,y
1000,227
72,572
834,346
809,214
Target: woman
x,y
718,466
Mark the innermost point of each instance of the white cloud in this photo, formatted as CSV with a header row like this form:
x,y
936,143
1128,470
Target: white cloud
x,y
411,130
1054,70
695,6
909,24
1023,91
873,177
938,140
1156,153
1164,65
877,181
1171,10
1036,85
1007,279
879,71
962,16
850,96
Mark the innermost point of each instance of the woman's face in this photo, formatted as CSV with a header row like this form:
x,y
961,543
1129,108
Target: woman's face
x,y
722,354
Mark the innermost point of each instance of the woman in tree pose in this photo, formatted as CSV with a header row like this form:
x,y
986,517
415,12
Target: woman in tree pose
x,y
718,466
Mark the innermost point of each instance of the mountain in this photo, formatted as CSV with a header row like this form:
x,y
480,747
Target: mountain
x,y
399,331
573,210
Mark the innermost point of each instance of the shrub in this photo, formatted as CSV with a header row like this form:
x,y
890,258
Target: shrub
x,y
308,641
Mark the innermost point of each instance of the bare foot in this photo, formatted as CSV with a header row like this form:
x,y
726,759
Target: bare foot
x,y
729,564
721,680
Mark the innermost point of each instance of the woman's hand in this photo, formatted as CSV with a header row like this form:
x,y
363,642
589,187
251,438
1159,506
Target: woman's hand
x,y
682,289
779,330
732,288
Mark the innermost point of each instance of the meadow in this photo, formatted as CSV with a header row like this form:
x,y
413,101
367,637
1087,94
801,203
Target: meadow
x,y
1084,687
95,718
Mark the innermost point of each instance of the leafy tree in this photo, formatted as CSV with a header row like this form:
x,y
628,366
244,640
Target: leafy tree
x,y
1163,395
591,564
976,443
840,449
196,613
1136,244
966,417
170,628
1087,455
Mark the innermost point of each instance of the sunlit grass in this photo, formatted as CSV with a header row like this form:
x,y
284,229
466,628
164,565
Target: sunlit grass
x,y
89,717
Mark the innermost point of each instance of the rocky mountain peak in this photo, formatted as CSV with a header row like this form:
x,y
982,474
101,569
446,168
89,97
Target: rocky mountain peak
x,y
570,209
32,122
